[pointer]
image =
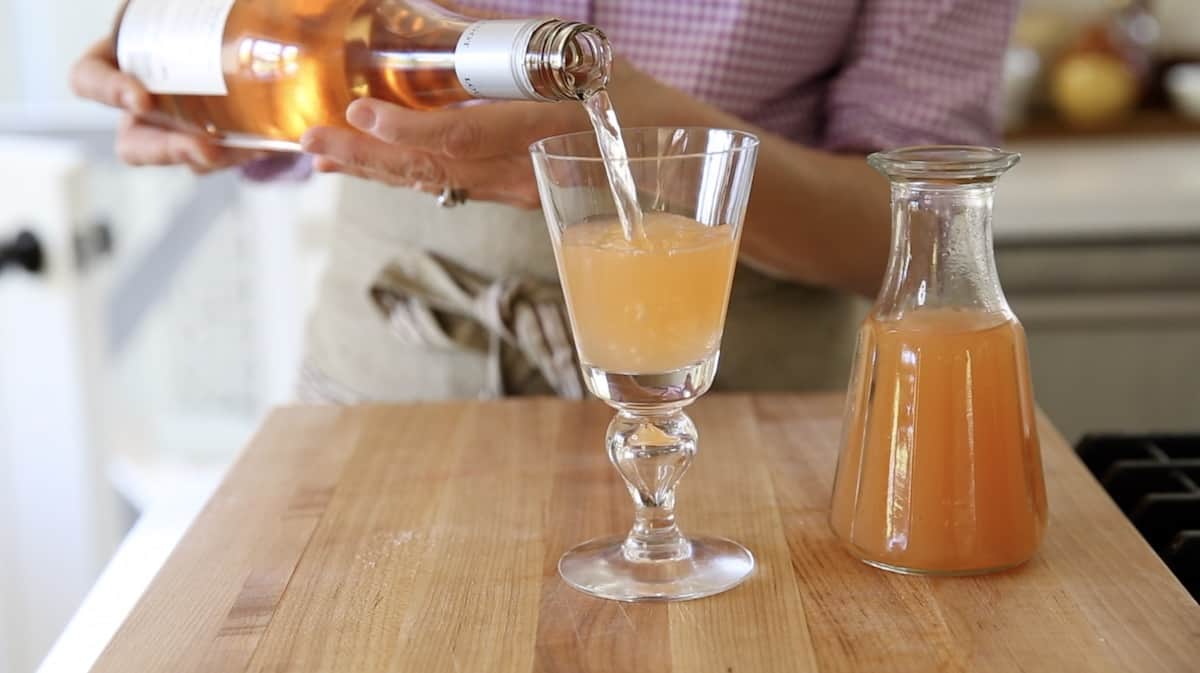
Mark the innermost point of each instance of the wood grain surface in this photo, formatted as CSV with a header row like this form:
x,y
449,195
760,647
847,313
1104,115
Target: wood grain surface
x,y
425,538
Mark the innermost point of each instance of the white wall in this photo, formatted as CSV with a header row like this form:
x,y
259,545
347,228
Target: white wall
x,y
39,39
8,65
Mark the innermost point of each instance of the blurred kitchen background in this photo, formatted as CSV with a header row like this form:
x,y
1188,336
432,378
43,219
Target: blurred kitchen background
x,y
166,313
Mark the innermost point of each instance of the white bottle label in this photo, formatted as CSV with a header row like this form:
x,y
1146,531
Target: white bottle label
x,y
174,46
490,59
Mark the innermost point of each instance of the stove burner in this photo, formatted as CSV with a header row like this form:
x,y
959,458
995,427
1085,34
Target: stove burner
x,y
1155,480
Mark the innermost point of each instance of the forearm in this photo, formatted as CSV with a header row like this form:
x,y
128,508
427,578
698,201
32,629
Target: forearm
x,y
814,217
818,218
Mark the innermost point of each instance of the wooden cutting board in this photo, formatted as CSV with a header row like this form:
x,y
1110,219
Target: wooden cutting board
x,y
424,538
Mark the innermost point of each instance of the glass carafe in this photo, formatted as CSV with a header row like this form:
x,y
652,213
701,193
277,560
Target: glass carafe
x,y
940,470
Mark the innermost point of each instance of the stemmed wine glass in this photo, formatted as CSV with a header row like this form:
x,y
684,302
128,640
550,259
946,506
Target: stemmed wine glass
x,y
648,306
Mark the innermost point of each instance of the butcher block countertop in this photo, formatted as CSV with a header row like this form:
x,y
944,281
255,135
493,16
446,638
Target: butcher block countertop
x,y
424,538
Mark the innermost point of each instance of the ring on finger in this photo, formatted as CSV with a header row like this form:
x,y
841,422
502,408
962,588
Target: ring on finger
x,y
451,197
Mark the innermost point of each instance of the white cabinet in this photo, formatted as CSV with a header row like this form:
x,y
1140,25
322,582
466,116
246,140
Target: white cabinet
x,y
145,370
1098,247
129,381
57,515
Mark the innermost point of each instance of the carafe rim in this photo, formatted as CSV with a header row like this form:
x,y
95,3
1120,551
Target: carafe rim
x,y
951,164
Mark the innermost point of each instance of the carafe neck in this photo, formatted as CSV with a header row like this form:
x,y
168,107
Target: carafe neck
x,y
942,253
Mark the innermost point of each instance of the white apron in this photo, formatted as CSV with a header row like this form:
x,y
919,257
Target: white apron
x,y
420,302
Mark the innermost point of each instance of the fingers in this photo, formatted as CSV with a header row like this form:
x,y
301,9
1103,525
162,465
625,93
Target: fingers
x,y
504,179
144,145
481,148
141,144
477,131
95,76
516,196
402,166
327,165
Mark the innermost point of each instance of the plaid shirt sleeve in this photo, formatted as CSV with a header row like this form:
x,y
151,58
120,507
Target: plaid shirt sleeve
x,y
920,72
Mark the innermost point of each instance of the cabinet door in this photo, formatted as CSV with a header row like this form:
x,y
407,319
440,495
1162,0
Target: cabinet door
x,y
1114,331
56,511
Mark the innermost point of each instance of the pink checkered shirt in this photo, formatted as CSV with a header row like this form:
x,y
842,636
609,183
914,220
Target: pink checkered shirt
x,y
851,75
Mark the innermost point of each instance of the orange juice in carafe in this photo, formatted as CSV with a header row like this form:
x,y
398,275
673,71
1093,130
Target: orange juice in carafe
x,y
941,440
940,469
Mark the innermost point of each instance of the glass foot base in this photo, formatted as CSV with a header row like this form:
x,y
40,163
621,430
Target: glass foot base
x,y
599,567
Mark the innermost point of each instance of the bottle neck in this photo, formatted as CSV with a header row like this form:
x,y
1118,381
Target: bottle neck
x,y
546,60
567,60
941,250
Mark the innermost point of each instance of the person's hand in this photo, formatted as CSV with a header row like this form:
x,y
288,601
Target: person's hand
x,y
95,76
482,149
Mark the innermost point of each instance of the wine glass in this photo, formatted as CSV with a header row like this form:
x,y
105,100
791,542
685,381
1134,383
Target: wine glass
x,y
647,303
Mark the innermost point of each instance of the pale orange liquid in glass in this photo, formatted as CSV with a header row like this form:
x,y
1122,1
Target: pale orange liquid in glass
x,y
655,304
941,468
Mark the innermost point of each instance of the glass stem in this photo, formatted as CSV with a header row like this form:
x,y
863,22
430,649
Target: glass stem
x,y
652,449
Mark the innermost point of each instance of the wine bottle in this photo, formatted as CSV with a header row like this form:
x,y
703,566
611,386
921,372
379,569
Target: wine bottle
x,y
259,73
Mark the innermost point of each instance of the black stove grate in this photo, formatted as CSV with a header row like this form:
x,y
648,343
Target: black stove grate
x,y
1155,480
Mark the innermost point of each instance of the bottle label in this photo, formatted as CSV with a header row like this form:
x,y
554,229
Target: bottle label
x,y
174,46
490,59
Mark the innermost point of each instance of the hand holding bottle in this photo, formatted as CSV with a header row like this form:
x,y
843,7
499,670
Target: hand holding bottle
x,y
95,76
482,149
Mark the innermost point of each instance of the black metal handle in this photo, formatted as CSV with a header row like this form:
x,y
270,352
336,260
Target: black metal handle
x,y
24,251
